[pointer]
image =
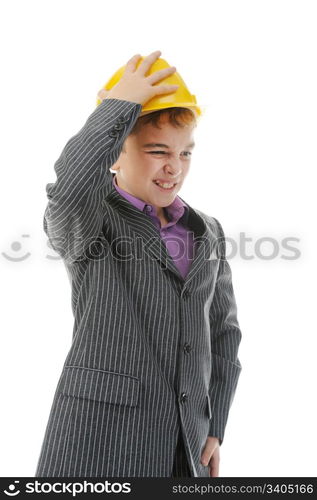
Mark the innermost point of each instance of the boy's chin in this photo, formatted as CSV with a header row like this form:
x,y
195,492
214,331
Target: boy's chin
x,y
164,201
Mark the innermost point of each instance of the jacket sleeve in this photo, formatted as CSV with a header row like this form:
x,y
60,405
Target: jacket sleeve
x,y
225,339
73,216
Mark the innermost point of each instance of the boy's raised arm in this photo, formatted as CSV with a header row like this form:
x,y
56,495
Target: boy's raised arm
x,y
73,216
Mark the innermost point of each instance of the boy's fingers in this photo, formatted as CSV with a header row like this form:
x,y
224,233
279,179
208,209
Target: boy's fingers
x,y
148,61
103,93
165,89
131,64
162,73
214,467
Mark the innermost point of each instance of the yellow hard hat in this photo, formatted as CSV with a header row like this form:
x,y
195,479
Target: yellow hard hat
x,y
180,98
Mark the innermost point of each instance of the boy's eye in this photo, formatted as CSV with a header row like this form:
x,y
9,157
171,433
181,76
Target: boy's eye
x,y
164,152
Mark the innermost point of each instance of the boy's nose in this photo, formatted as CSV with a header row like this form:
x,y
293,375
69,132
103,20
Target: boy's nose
x,y
174,168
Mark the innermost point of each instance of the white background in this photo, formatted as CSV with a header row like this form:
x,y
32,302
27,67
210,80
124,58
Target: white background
x,y
252,65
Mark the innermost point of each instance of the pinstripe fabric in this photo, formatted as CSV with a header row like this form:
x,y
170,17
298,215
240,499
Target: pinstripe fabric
x,y
153,354
175,234
180,466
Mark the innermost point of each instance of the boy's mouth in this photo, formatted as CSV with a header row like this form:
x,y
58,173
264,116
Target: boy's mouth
x,y
165,186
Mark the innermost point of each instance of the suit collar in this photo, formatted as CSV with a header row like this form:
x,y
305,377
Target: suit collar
x,y
176,210
143,226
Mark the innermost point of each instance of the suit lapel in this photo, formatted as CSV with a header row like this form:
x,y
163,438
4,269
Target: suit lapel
x,y
205,243
143,226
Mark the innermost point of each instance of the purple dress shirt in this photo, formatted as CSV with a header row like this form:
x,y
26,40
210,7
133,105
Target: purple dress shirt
x,y
179,240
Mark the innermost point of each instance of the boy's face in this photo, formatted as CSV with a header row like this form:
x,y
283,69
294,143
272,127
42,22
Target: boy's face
x,y
142,164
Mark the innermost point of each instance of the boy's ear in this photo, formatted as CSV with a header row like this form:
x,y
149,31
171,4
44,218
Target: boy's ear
x,y
116,165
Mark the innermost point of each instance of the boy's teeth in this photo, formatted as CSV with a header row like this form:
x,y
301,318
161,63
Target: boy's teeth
x,y
165,184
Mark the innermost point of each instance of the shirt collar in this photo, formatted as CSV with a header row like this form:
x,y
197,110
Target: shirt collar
x,y
175,210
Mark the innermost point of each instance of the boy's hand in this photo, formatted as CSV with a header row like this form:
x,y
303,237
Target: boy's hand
x,y
135,86
211,456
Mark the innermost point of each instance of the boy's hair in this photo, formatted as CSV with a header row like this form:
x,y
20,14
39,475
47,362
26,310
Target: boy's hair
x,y
177,117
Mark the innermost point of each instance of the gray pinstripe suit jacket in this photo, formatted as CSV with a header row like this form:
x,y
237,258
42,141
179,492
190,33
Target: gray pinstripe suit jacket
x,y
152,354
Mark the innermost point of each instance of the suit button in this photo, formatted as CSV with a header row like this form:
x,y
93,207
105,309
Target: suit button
x,y
184,397
187,348
118,126
121,119
113,133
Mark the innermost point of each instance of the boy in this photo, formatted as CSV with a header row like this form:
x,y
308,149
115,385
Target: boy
x,y
146,387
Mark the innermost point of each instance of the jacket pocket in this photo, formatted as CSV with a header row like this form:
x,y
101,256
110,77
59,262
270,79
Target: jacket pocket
x,y
99,385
